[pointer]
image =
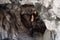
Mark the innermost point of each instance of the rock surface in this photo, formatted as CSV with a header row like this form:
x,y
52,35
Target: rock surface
x,y
4,1
15,22
50,14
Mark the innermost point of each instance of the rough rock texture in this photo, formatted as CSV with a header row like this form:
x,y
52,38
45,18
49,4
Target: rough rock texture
x,y
49,12
15,22
51,17
4,1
